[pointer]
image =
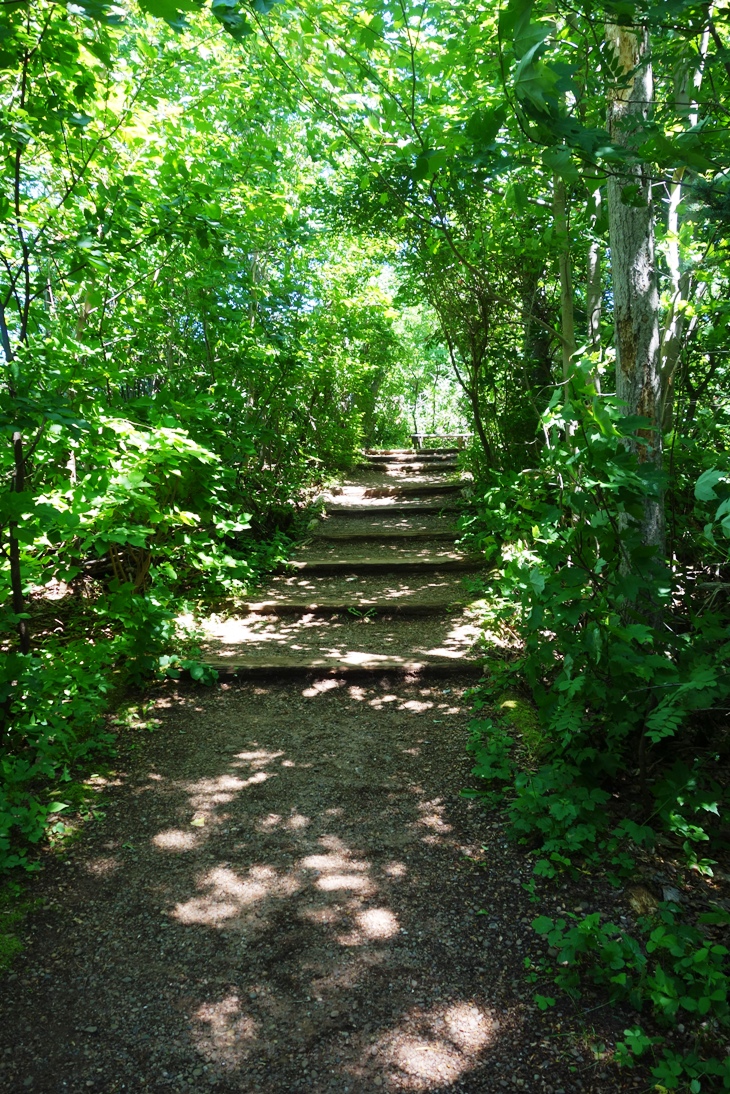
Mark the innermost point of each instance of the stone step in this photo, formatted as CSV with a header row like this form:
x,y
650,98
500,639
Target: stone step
x,y
409,468
384,525
374,509
393,591
398,535
241,668
412,489
301,644
401,564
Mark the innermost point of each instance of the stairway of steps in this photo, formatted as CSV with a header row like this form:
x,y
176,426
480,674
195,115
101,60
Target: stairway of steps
x,y
380,585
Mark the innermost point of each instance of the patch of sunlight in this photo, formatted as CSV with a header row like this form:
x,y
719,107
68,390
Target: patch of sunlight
x,y
100,867
395,869
175,839
372,925
362,657
321,916
320,686
229,895
222,1032
265,824
354,882
258,758
332,863
296,822
381,700
438,1047
207,793
416,706
432,818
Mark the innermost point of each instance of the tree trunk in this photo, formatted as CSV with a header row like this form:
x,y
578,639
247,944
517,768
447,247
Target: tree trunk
x,y
594,286
562,233
676,329
16,575
633,266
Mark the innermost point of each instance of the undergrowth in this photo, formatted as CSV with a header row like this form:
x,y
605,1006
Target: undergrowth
x,y
626,662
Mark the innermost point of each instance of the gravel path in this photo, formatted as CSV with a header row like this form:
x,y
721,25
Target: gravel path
x,y
287,894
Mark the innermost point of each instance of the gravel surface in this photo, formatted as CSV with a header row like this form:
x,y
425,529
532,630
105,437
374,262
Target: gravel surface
x,y
288,894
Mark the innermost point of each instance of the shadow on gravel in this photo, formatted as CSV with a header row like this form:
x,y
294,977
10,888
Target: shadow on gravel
x,y
311,902
284,896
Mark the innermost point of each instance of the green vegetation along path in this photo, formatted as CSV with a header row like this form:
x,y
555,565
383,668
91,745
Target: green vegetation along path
x,y
286,892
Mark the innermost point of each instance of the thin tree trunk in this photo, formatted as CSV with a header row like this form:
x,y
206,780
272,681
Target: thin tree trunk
x,y
16,575
470,389
594,284
633,265
562,232
676,328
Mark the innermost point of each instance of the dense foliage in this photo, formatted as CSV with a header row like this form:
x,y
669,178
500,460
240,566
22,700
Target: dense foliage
x,y
241,241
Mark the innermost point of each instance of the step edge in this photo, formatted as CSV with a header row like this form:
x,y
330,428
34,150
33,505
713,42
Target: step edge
x,y
385,607
229,669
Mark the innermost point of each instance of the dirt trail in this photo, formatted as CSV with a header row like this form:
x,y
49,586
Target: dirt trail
x,y
287,893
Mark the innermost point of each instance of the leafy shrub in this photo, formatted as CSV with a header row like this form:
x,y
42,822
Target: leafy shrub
x,y
615,671
673,969
626,664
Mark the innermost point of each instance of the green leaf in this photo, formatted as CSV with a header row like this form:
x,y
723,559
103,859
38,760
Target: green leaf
x,y
705,485
228,13
537,581
170,10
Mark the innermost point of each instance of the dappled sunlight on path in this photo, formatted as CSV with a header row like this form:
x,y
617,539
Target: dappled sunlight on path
x,y
309,904
285,897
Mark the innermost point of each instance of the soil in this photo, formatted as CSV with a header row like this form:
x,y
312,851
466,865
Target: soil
x,y
284,891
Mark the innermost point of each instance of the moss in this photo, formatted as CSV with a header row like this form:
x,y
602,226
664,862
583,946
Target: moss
x,y
521,714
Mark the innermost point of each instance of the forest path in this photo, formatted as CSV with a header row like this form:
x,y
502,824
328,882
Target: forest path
x,y
286,893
